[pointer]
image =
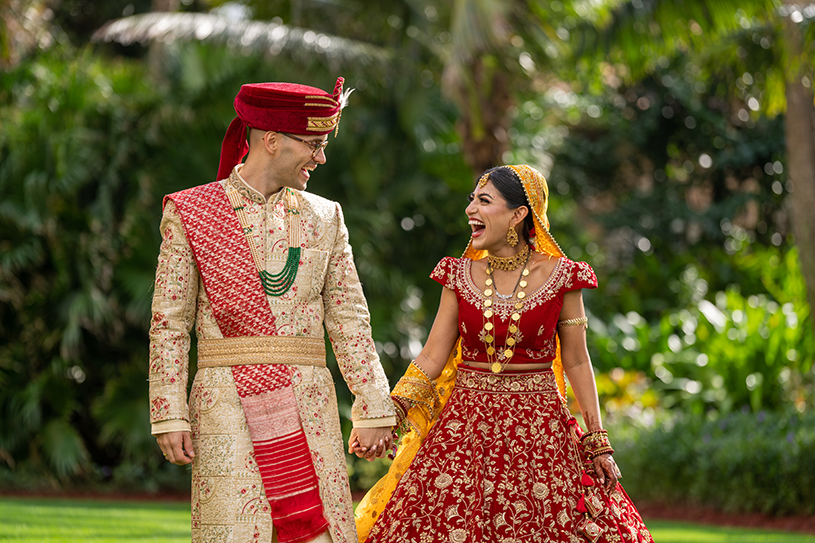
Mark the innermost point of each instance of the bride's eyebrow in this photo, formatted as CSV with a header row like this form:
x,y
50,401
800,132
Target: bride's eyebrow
x,y
472,196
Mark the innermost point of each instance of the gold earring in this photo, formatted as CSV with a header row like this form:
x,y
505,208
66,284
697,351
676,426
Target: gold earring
x,y
512,237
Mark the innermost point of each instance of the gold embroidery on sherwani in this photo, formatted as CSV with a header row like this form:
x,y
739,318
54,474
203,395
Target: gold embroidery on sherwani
x,y
226,484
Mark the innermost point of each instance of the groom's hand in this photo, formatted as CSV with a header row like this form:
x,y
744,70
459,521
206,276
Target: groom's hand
x,y
370,443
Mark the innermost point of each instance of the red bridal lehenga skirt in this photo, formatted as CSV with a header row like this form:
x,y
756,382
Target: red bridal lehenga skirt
x,y
502,465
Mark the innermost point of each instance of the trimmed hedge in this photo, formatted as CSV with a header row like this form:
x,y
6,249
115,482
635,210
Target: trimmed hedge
x,y
741,462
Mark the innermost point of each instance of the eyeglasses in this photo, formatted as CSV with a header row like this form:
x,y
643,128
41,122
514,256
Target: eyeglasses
x,y
316,146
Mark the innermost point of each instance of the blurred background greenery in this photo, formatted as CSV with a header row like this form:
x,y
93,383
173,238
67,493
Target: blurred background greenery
x,y
670,133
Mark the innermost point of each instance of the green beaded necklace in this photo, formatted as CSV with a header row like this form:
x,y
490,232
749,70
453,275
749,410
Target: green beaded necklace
x,y
277,284
274,284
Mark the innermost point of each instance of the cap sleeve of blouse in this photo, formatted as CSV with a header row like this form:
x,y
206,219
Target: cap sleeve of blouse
x,y
445,272
579,275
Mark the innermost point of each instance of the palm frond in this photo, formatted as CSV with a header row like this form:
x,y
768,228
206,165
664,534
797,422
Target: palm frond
x,y
28,254
122,411
478,26
640,31
249,36
63,448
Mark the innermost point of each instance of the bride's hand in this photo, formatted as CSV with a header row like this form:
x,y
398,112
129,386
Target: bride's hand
x,y
607,471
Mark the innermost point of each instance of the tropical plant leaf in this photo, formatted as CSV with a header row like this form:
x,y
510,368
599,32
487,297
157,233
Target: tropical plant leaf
x,y
636,33
63,448
27,254
123,412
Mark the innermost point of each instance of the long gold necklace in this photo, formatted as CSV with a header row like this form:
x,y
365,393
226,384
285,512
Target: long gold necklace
x,y
511,262
515,319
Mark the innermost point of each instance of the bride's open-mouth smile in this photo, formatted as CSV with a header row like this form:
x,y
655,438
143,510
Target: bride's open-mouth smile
x,y
478,227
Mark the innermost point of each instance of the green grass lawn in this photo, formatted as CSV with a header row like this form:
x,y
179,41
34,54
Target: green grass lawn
x,y
35,520
665,531
30,520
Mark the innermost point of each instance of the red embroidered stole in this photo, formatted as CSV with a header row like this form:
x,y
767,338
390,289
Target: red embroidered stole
x,y
240,308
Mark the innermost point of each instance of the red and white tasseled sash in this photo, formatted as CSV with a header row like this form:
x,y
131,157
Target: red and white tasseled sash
x,y
240,308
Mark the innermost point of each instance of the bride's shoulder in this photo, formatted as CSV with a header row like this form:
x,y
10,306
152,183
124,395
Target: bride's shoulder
x,y
543,263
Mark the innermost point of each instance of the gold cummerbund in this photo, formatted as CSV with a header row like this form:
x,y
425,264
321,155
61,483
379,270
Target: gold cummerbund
x,y
244,350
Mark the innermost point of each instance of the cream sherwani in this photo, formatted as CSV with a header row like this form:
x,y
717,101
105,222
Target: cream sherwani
x,y
228,499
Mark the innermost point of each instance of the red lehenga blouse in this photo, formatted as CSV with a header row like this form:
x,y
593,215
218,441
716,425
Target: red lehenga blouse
x,y
535,338
503,464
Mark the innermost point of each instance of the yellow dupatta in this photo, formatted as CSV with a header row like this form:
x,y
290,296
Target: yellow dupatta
x,y
374,502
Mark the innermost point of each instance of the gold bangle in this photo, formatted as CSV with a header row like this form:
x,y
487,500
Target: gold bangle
x,y
596,443
574,322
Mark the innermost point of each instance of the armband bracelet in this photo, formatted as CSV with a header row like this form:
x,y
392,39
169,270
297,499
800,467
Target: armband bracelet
x,y
574,322
596,443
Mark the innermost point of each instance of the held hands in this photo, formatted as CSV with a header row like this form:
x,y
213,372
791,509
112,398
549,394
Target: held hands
x,y
607,471
370,443
177,447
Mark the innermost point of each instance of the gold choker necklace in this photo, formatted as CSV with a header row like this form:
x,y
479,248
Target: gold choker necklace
x,y
509,263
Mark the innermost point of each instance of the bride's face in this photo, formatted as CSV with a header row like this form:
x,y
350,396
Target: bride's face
x,y
490,218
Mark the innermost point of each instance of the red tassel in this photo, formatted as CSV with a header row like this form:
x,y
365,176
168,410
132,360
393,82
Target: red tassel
x,y
233,148
581,505
586,480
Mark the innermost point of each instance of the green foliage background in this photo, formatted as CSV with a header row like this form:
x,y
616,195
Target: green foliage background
x,y
701,311
742,462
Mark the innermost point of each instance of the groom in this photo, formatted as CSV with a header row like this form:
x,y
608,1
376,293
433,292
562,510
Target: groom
x,y
262,269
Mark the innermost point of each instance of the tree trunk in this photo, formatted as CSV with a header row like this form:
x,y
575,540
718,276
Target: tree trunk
x,y
157,52
800,142
164,5
485,119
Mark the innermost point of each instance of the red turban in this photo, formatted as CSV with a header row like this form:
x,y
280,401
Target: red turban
x,y
281,107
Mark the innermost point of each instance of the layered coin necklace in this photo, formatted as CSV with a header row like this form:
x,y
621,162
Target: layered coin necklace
x,y
279,283
505,264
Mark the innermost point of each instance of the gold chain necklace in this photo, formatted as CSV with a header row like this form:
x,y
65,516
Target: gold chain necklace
x,y
511,262
515,319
